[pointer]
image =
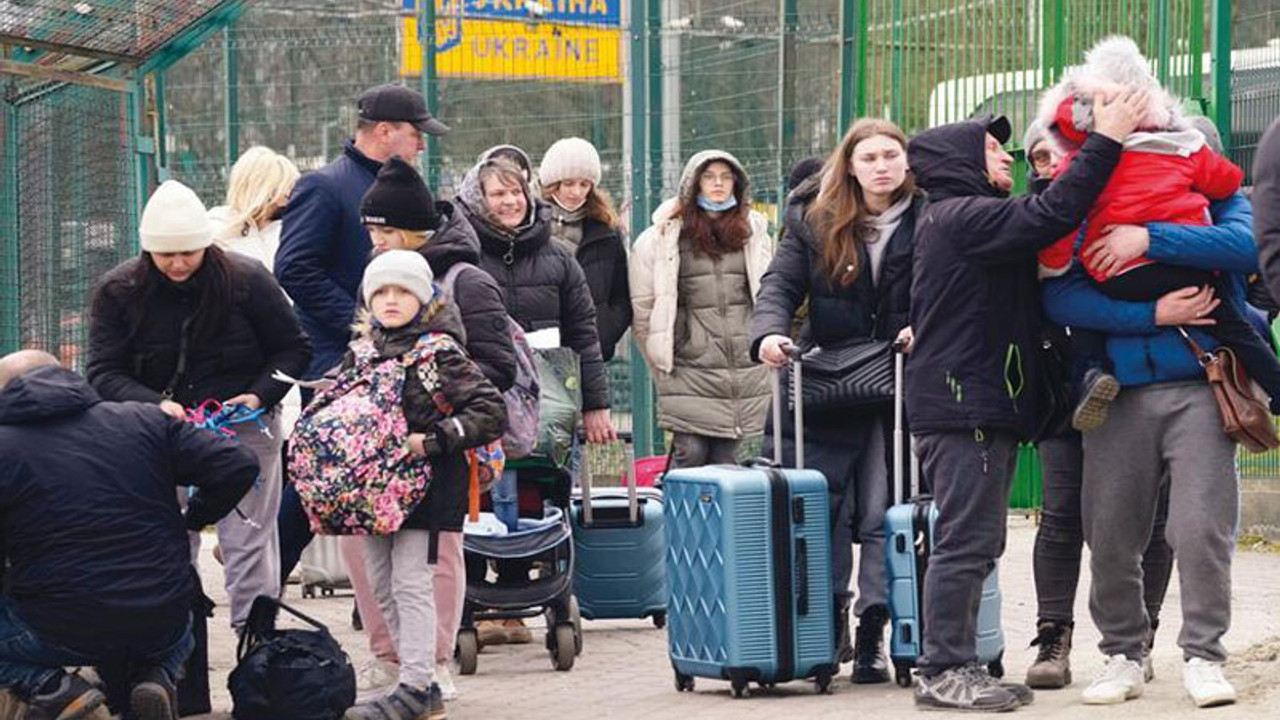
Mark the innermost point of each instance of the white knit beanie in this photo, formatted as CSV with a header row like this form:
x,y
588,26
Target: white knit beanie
x,y
404,268
570,159
175,221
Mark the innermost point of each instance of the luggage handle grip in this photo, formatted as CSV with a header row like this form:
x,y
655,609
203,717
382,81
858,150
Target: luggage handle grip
x,y
633,495
794,354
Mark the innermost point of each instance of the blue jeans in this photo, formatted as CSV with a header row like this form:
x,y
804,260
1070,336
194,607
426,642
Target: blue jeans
x,y
27,662
506,499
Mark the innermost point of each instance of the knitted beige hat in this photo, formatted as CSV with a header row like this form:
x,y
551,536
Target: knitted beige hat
x,y
404,268
175,221
570,159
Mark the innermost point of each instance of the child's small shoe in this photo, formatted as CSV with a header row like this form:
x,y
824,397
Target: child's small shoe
x,y
1097,392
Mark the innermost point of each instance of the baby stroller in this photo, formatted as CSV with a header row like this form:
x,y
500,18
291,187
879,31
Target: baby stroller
x,y
543,538
546,543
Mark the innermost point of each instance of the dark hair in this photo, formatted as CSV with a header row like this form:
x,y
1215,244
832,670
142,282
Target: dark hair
x,y
717,236
213,300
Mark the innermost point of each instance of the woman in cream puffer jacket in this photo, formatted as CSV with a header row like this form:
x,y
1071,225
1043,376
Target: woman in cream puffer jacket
x,y
694,277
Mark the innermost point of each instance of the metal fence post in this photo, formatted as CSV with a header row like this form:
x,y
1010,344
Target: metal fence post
x,y
10,257
1220,39
231,95
429,87
788,63
852,34
637,76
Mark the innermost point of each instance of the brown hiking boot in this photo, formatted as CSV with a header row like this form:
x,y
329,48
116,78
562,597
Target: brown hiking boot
x,y
492,632
1052,668
517,633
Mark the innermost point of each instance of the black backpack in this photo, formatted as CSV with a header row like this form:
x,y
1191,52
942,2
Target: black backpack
x,y
295,674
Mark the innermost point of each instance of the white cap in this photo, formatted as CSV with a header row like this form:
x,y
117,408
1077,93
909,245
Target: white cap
x,y
174,221
404,268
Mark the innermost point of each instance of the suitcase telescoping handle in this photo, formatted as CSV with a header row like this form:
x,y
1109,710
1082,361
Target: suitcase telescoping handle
x,y
900,447
633,500
793,353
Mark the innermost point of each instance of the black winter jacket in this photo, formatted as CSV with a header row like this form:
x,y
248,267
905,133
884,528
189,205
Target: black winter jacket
x,y
323,251
476,294
543,287
262,335
836,312
1266,206
479,416
603,258
975,302
89,515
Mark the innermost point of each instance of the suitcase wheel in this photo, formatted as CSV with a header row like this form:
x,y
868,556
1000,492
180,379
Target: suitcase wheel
x,y
660,620
996,667
823,683
468,651
308,591
562,644
739,686
684,683
902,674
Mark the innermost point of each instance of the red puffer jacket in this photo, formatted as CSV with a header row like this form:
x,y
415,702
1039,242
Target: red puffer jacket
x,y
1167,177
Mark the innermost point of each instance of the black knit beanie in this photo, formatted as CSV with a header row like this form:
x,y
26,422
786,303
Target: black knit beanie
x,y
398,198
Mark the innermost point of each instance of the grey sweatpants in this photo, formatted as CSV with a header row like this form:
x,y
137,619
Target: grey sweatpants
x,y
403,583
972,473
1170,433
249,538
689,450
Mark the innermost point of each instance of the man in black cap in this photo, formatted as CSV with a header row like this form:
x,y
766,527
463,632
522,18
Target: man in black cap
x,y
324,247
970,386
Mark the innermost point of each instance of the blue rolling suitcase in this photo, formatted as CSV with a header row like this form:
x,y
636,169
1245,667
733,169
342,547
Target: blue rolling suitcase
x,y
619,549
748,567
908,543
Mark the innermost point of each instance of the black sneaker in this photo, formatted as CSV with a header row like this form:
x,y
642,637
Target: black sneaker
x,y
1097,392
154,696
65,697
869,663
967,688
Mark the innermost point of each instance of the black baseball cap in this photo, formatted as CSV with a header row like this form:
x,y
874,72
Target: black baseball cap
x,y
397,103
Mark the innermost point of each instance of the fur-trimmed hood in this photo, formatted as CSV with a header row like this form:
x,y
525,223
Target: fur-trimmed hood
x,y
1113,64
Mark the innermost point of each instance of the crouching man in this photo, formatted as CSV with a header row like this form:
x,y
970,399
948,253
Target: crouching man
x,y
97,545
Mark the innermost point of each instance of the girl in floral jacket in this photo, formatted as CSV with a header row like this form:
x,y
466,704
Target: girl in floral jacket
x,y
405,306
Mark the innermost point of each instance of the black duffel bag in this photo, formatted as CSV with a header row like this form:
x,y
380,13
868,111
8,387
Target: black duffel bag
x,y
850,374
294,674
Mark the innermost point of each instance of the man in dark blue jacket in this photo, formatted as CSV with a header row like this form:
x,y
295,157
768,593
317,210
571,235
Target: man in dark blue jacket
x,y
324,248
100,566
975,312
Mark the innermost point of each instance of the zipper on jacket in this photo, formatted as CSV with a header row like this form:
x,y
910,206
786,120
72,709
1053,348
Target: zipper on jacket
x,y
732,360
510,257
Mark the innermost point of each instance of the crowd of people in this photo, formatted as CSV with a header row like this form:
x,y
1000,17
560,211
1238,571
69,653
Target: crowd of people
x,y
1133,216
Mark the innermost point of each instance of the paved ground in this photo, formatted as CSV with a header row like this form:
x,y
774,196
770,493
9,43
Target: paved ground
x,y
624,672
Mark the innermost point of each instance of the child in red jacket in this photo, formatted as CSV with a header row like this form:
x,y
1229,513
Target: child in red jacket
x,y
1167,174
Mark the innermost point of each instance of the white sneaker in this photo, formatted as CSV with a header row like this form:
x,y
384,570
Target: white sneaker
x,y
1205,683
376,675
1148,668
444,678
1120,680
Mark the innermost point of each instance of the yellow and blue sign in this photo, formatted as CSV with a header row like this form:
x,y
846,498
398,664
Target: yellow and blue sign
x,y
559,40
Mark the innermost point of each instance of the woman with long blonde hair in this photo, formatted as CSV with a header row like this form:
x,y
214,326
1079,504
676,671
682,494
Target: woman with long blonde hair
x,y
847,249
259,186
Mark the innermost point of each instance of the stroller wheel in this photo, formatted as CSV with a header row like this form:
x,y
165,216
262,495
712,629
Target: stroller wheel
x,y
660,620
468,651
575,617
561,640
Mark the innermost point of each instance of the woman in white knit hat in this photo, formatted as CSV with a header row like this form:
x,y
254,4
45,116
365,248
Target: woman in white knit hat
x,y
584,224
259,186
186,322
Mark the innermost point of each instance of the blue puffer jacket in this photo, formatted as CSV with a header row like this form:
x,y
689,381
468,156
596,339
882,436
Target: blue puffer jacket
x,y
1142,352
323,251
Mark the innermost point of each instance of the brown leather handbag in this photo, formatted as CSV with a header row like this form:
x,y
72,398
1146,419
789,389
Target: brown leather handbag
x,y
1245,416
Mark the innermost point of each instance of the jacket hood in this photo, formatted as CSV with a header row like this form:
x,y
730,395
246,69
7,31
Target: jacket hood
x,y
528,163
951,160
523,241
471,197
689,177
454,241
44,394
